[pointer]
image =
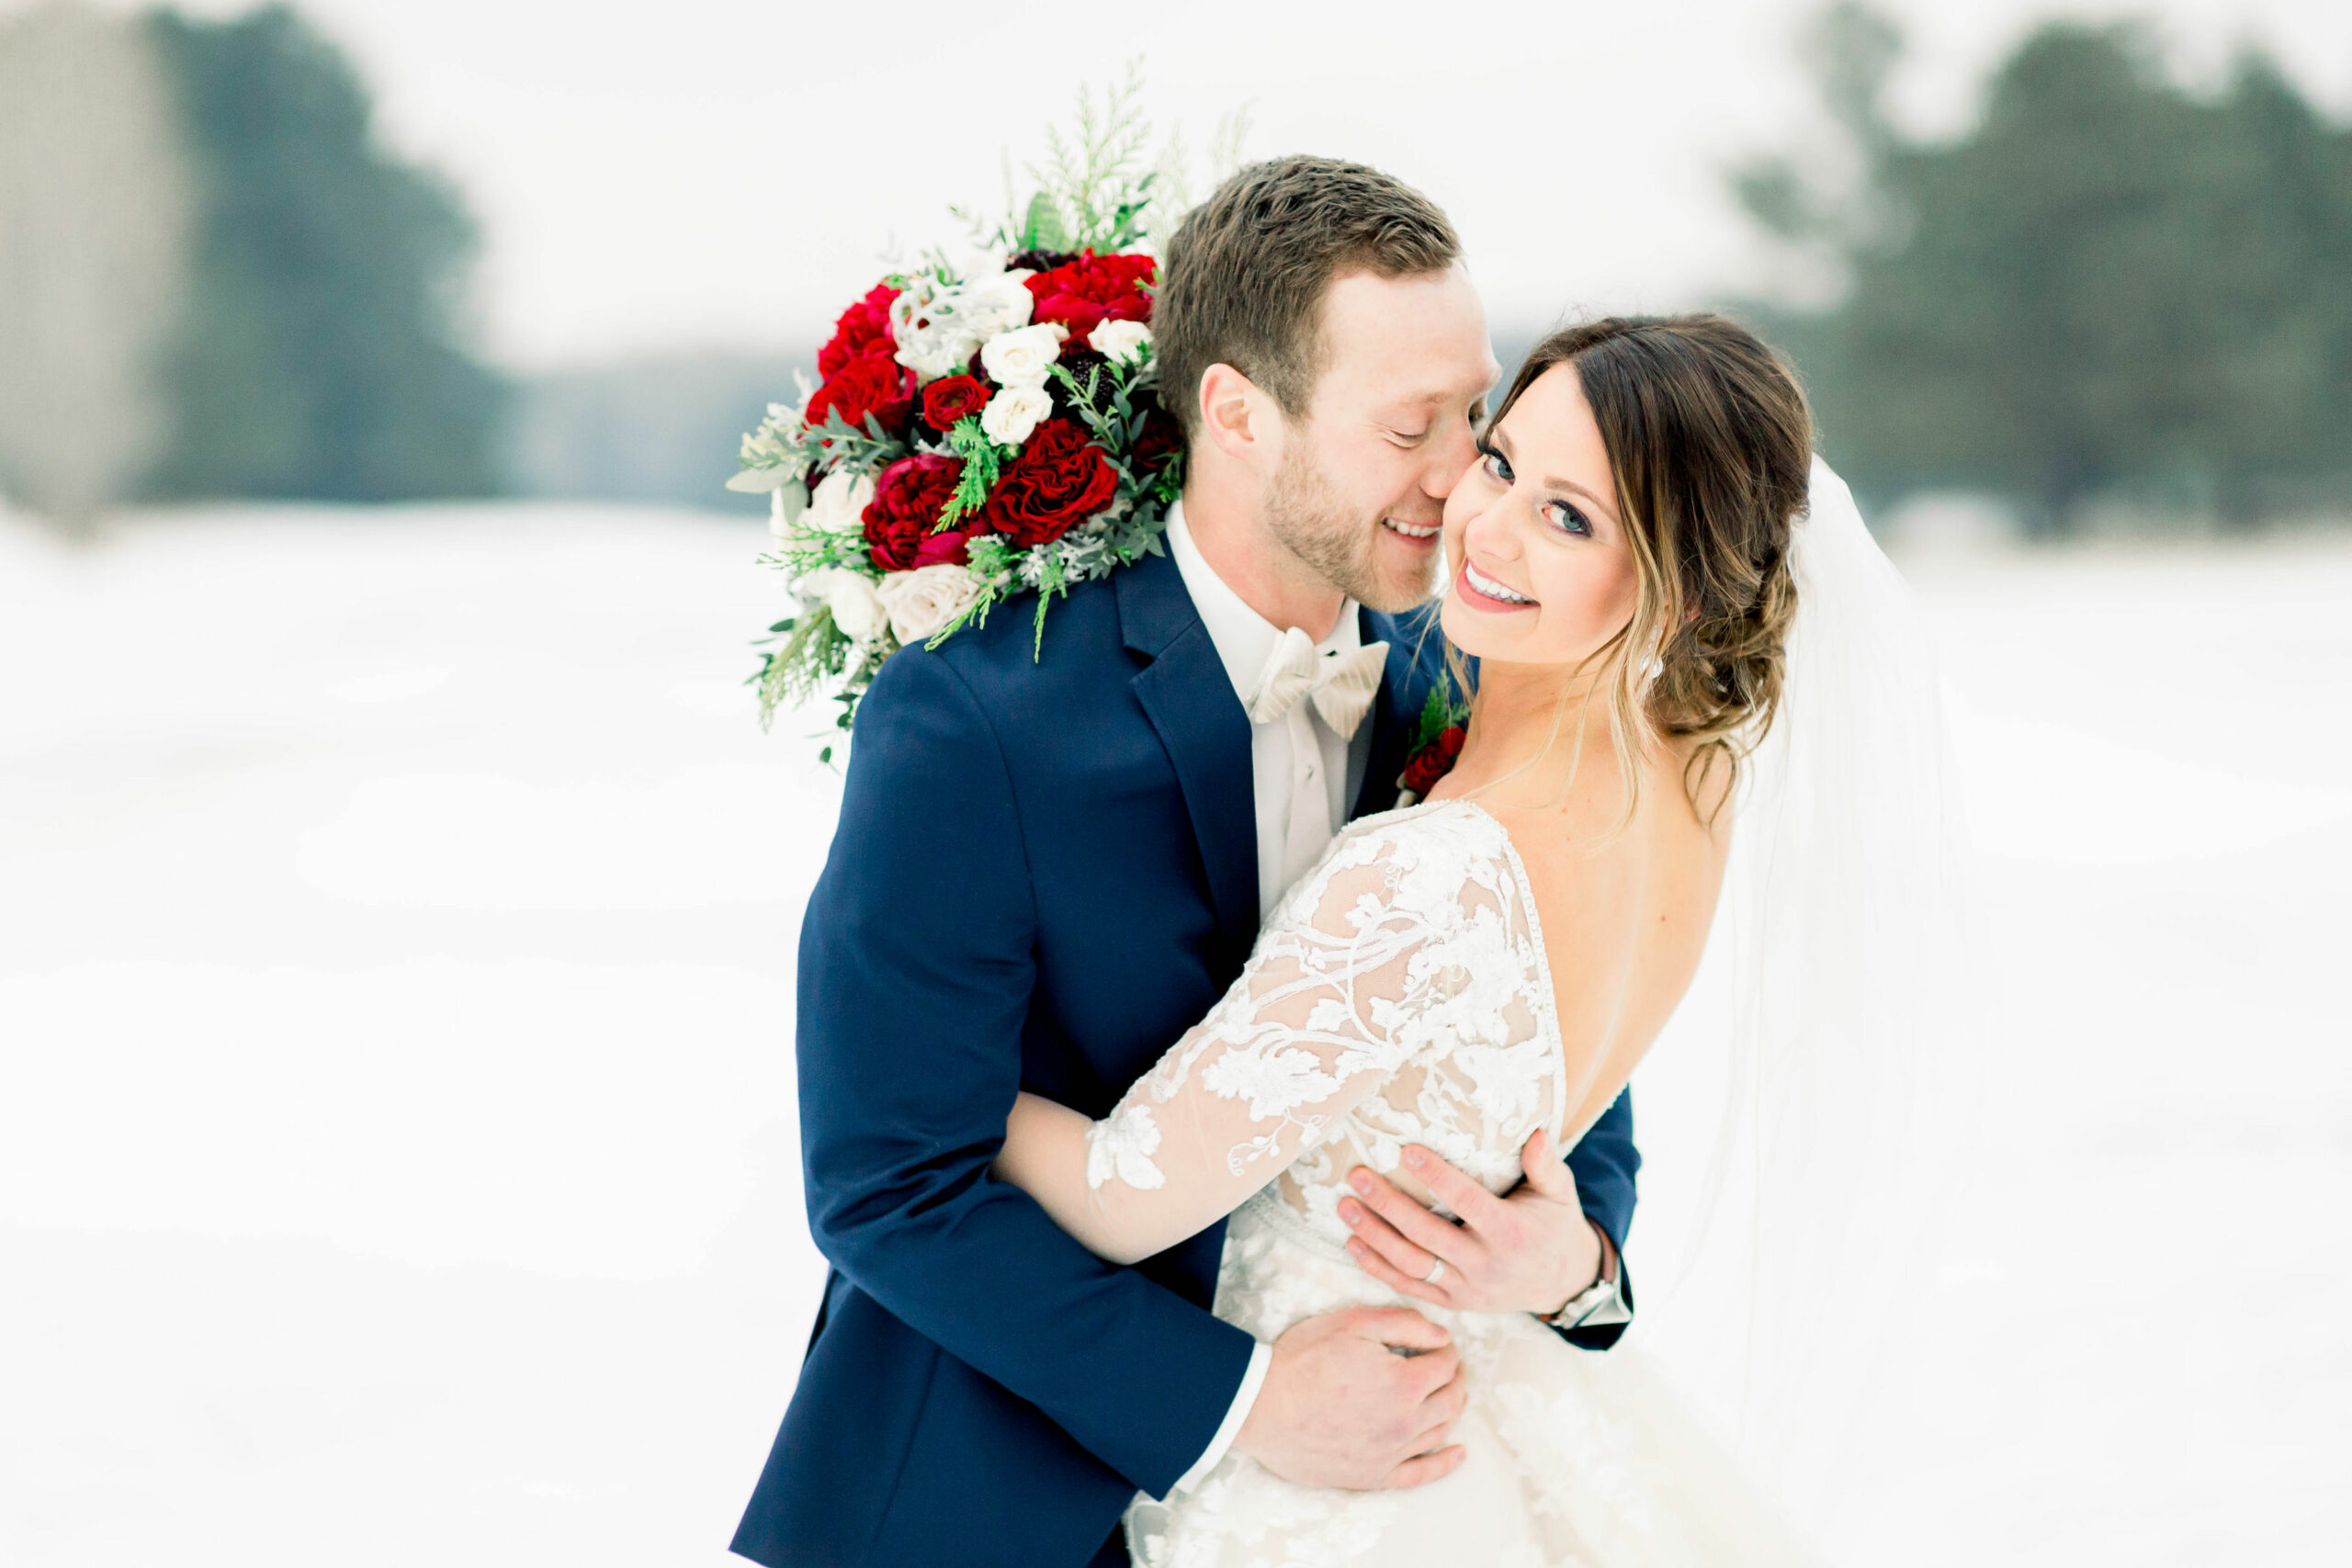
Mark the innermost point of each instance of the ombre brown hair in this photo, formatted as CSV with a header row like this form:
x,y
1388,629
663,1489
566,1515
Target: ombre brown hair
x,y
1711,442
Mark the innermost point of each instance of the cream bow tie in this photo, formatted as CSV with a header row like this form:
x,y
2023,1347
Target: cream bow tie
x,y
1341,686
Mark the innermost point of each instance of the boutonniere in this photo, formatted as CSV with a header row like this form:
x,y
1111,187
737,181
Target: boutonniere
x,y
1437,735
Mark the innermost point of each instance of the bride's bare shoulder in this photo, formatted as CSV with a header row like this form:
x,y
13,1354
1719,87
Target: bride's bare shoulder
x,y
1698,782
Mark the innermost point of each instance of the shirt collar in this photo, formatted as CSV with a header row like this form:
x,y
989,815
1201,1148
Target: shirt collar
x,y
1243,639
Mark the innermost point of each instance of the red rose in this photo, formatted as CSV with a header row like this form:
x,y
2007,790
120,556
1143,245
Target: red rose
x,y
1432,761
1059,480
908,500
956,397
1084,294
872,385
864,329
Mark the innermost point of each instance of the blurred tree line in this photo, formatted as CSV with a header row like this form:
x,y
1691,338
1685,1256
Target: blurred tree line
x,y
320,352
2111,286
295,328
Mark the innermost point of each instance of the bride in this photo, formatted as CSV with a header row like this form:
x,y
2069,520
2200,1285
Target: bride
x,y
1458,977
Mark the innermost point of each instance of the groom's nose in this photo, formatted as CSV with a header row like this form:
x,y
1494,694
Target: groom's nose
x,y
1449,459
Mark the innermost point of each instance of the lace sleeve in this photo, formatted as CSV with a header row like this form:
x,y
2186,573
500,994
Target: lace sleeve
x,y
1364,965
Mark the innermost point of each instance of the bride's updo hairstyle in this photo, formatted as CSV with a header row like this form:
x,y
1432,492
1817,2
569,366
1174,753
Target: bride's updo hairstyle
x,y
1711,441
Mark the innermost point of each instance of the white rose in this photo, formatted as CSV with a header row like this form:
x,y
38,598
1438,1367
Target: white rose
x,y
1013,413
1024,357
857,608
922,601
839,504
1121,343
939,349
932,338
1000,303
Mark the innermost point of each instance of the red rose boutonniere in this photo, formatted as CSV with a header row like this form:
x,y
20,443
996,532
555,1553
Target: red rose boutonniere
x,y
1437,742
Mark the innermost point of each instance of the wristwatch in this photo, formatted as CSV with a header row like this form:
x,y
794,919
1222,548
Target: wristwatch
x,y
1600,1304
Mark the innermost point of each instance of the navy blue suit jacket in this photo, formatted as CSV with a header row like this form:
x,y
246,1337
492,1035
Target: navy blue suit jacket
x,y
1044,871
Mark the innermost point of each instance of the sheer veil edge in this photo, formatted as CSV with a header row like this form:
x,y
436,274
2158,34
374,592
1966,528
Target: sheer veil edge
x,y
1823,1075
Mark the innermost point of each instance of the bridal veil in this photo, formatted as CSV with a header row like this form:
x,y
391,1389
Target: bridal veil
x,y
1827,1054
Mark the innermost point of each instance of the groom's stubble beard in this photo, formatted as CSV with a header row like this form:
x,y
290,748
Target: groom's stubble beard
x,y
1306,513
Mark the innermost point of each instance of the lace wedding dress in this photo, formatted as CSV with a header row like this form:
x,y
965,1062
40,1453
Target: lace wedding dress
x,y
1401,994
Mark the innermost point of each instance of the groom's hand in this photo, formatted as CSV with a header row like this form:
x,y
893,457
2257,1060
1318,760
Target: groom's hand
x,y
1361,1399
1530,1251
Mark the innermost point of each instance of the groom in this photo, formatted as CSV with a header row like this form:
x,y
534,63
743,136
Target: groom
x,y
1047,868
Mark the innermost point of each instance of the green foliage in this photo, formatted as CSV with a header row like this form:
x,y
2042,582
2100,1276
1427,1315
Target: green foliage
x,y
321,353
1096,183
1094,191
806,652
858,449
983,461
1439,714
1053,583
1041,228
2110,284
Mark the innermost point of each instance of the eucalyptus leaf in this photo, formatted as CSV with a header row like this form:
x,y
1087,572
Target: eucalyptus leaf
x,y
791,501
759,482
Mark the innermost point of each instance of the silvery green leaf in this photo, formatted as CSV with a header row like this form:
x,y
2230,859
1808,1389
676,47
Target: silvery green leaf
x,y
759,482
791,501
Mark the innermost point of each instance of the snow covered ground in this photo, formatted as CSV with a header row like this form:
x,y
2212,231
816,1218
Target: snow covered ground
x,y
397,1152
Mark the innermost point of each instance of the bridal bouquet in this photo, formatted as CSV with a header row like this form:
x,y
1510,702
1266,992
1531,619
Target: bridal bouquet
x,y
981,429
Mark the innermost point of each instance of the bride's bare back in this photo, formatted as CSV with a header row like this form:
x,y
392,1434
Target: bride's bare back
x,y
1625,904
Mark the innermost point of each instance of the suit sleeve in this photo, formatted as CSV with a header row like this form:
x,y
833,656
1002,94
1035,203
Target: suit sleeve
x,y
916,963
1605,1163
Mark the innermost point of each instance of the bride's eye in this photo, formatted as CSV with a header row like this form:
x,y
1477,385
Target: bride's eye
x,y
1498,467
1568,520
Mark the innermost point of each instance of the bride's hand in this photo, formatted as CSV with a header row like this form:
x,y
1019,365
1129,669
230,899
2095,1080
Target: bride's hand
x,y
1531,1251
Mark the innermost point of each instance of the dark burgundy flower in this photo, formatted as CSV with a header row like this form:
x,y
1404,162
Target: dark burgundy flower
x,y
1161,439
908,500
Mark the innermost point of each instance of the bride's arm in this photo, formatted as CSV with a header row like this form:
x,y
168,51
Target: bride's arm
x,y
1044,1155
1323,1015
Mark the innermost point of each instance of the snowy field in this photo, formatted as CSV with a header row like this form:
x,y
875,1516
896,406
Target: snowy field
x,y
397,1154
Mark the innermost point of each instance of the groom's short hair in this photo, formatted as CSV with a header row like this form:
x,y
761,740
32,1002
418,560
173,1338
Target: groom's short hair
x,y
1243,277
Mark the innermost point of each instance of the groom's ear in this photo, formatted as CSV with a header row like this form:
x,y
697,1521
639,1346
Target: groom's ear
x,y
1239,418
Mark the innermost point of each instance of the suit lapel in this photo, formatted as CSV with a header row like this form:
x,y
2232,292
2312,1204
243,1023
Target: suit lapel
x,y
1414,661
1189,699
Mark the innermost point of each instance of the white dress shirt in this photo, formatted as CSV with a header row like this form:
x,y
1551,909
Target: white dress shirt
x,y
1286,757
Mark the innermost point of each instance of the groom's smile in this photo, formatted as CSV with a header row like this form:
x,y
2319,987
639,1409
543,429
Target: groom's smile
x,y
1388,431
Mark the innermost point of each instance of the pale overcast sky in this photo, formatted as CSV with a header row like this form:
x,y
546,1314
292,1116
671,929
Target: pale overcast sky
x,y
726,173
